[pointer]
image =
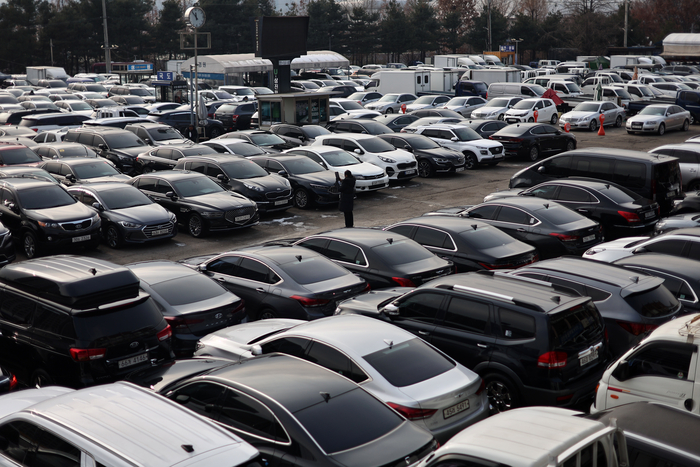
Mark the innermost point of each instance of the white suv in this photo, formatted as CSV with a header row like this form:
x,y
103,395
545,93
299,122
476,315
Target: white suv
x,y
664,368
397,163
524,111
476,150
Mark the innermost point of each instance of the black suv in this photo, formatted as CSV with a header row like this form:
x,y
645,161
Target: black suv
x,y
156,134
532,342
43,215
236,115
78,321
119,146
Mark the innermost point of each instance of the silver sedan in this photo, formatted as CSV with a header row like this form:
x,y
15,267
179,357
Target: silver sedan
x,y
658,118
391,103
410,375
465,105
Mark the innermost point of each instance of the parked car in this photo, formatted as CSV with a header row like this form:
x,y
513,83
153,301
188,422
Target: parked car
x,y
236,116
391,103
496,108
678,221
396,121
119,146
25,171
688,155
410,376
587,115
12,153
658,118
524,111
238,147
266,140
157,134
476,150
364,126
432,112
532,140
432,158
485,128
546,346
200,204
180,120
427,101
166,157
298,135
434,120
60,150
127,215
465,105
75,106
364,98
83,170
679,242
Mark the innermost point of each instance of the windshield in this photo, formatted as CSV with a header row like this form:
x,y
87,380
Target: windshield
x,y
18,156
123,140
573,87
196,186
651,110
163,134
350,105
224,94
587,107
401,252
622,93
498,103
76,151
139,92
375,145
389,98
524,105
457,101
422,142
79,105
95,88
192,288
240,92
122,198
266,139
302,165
339,158
424,100
50,196
645,91
485,237
424,361
312,131
94,170
466,134
244,149
243,169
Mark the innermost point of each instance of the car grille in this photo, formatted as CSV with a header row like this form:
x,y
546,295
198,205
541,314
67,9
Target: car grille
x,y
77,225
374,177
406,165
496,150
150,229
636,125
233,214
278,194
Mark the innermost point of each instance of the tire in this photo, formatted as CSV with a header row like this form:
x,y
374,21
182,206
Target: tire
x,y
40,378
146,169
693,186
29,245
570,146
593,126
390,110
618,121
502,117
662,129
113,237
196,226
534,153
692,119
531,120
267,313
686,125
425,169
502,393
470,161
302,200
214,133
554,119
630,132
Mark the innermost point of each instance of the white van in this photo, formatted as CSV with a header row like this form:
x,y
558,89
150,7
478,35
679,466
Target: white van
x,y
637,92
552,63
524,90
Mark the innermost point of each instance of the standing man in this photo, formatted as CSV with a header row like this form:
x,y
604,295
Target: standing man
x,y
347,194
191,133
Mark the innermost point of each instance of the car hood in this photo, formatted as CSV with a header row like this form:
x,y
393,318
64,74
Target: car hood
x,y
363,168
411,107
146,214
322,178
366,304
135,151
399,155
646,118
439,152
509,249
267,183
221,200
482,143
69,213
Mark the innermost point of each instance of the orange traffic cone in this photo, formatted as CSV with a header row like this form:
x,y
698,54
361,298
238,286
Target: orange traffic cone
x,y
601,131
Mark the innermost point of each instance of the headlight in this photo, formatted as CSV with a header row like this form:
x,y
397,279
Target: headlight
x,y
130,225
388,160
95,218
484,152
359,177
50,225
319,187
440,160
212,214
649,123
593,251
173,217
253,187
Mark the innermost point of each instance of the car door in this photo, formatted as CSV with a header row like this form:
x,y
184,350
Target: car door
x,y
688,162
10,212
437,241
577,199
659,371
557,141
418,312
518,224
691,102
542,140
246,277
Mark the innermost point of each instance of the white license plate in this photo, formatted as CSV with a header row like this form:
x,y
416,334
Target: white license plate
x,y
649,214
160,232
459,169
377,183
242,218
589,358
589,238
410,171
133,360
82,238
455,409
278,203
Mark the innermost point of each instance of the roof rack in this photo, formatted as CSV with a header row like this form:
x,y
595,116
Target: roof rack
x,y
499,296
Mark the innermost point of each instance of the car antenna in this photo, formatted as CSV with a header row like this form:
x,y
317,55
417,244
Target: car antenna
x,y
187,447
390,240
474,226
607,186
556,299
298,257
635,279
546,205
389,343
92,271
325,395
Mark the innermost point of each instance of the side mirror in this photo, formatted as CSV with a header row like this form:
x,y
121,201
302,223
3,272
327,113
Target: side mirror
x,y
641,249
70,178
171,195
358,151
407,148
98,206
148,140
256,350
541,169
102,146
302,138
283,173
222,178
390,310
454,138
622,372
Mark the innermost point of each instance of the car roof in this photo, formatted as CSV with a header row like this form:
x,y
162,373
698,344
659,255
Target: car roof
x,y
615,153
449,223
302,380
279,254
592,183
154,272
172,174
350,136
363,236
25,183
687,232
281,157
102,187
228,141
220,158
677,329
674,265
8,146
695,147
529,202
141,426
80,160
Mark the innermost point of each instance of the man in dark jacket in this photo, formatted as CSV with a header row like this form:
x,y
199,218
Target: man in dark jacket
x,y
347,194
191,133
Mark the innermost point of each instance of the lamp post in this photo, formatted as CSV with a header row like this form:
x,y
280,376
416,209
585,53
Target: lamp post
x,y
627,7
517,41
108,49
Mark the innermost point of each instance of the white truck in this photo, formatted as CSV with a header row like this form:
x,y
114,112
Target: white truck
x,y
419,81
494,75
451,60
622,61
35,73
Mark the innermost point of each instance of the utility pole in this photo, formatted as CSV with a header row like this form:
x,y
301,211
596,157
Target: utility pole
x,y
627,7
490,44
108,58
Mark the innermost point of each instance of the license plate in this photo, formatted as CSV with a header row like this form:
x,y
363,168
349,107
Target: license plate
x,y
636,125
82,238
459,169
670,193
242,218
649,214
455,409
589,358
377,183
410,171
588,238
160,232
133,360
277,203
511,120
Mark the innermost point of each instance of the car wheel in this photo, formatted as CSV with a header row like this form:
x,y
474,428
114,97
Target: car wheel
x,y
570,146
113,237
146,169
630,132
470,161
425,169
40,378
31,249
593,126
686,125
554,119
390,110
531,120
662,129
502,117
214,133
267,313
501,392
692,119
196,226
301,199
694,186
618,121
534,153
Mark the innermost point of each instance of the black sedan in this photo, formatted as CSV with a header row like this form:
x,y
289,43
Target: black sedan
x,y
83,170
396,121
199,203
360,125
180,120
486,128
532,140
281,281
470,244
8,381
382,259
432,158
128,216
547,225
192,304
264,139
621,212
679,221
60,150
271,192
235,146
293,411
311,183
166,157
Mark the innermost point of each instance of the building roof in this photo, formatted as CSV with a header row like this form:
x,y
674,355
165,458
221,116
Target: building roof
x,y
681,46
244,63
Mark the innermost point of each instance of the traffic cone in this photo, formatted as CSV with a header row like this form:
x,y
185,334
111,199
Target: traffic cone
x,y
601,130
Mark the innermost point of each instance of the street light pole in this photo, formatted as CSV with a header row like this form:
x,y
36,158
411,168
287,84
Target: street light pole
x,y
490,45
627,7
517,41
108,57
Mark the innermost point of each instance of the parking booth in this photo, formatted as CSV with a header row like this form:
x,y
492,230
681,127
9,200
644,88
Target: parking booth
x,y
295,108
171,91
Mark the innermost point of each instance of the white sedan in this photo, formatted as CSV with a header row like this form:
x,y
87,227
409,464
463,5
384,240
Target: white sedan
x,y
658,118
587,115
673,242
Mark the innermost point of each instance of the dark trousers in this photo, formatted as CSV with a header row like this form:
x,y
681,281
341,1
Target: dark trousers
x,y
348,219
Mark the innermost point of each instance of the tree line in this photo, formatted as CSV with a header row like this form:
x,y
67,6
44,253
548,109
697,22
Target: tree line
x,y
69,33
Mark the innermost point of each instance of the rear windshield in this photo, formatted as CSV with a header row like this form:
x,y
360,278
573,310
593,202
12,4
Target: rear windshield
x,y
122,320
424,363
122,198
312,270
94,170
76,151
196,186
654,303
401,252
559,215
163,134
188,289
485,237
667,172
578,325
620,195
245,149
348,420
19,156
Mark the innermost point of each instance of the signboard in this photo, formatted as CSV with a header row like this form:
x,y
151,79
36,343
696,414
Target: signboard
x,y
166,75
140,67
506,48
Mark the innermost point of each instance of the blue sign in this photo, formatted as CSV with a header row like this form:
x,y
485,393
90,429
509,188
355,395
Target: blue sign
x,y
166,75
140,67
506,48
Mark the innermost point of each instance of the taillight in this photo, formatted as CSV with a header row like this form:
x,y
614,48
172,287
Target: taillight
x,y
310,302
180,322
607,338
234,117
486,96
482,386
84,355
166,333
411,413
653,189
367,288
403,281
515,140
13,382
564,237
630,216
636,328
552,360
